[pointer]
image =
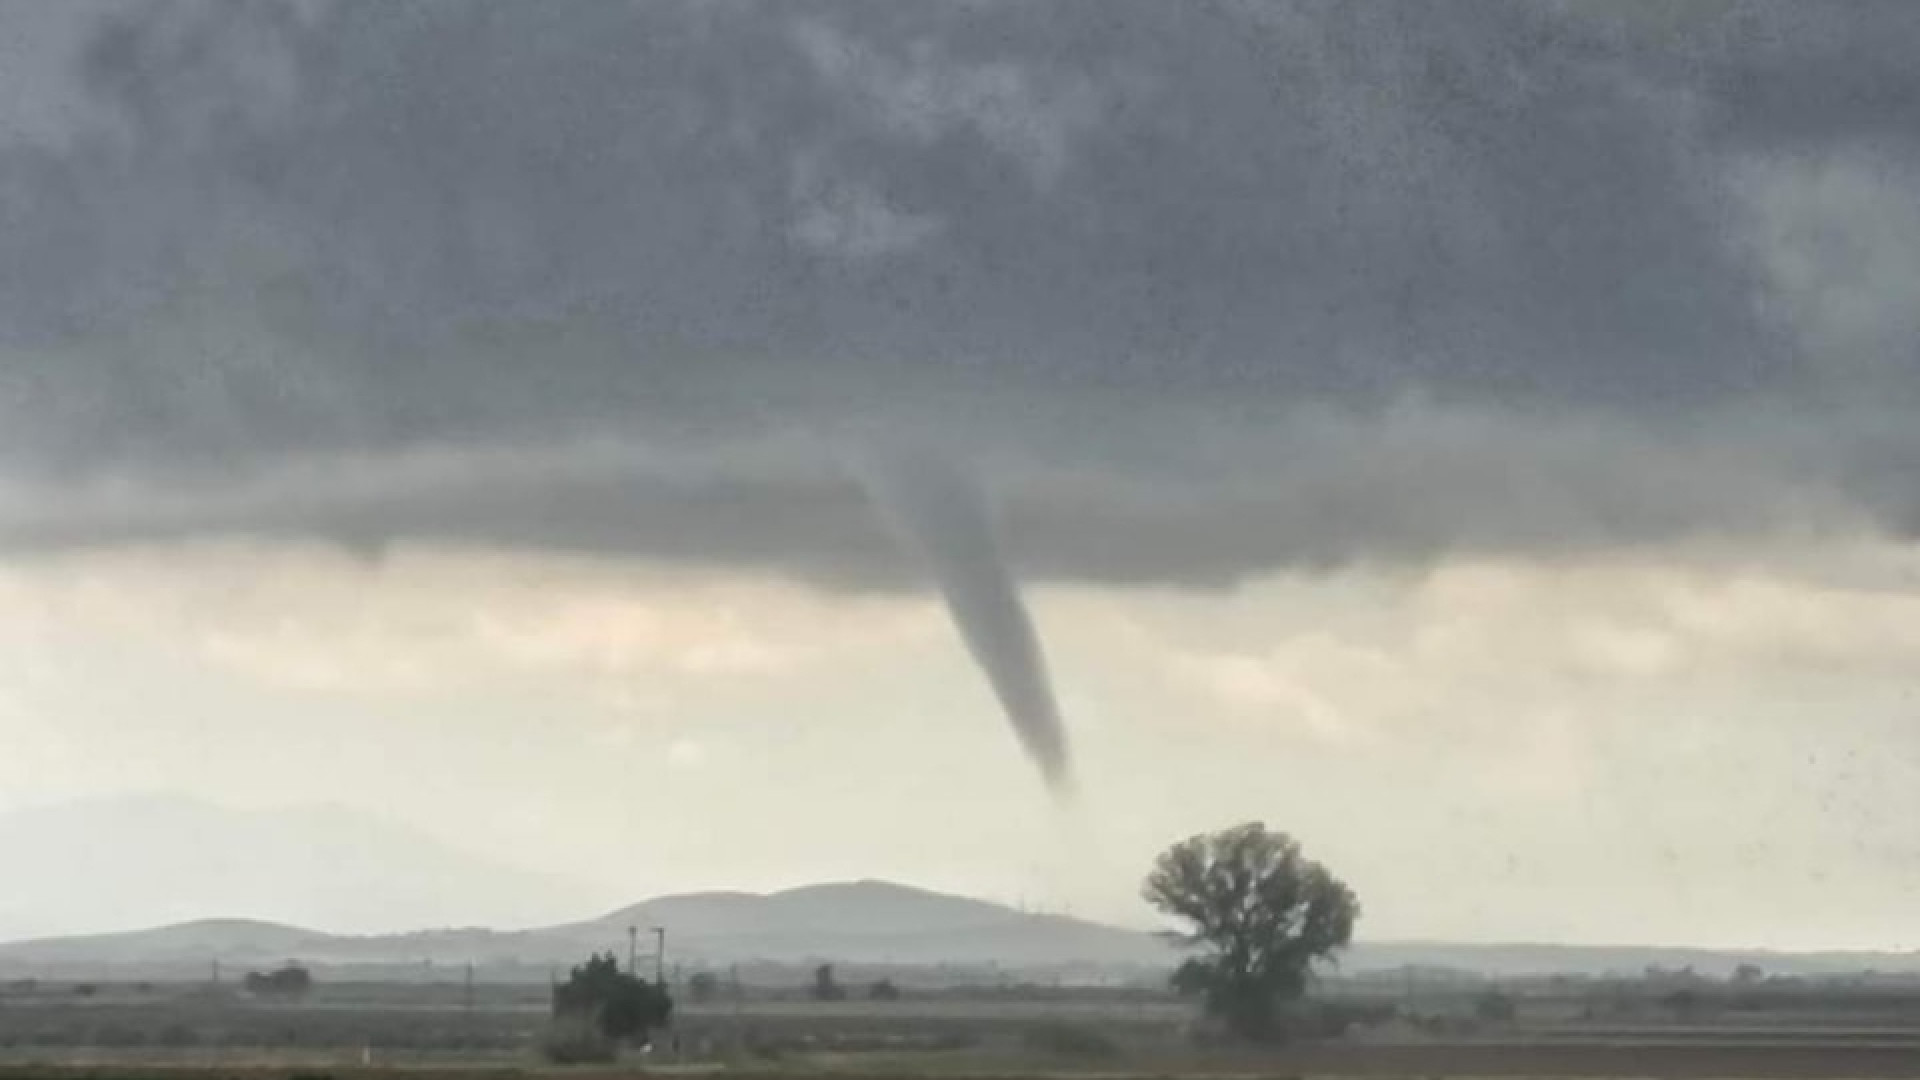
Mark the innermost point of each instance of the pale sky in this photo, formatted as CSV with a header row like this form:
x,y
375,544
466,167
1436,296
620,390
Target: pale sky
x,y
1669,747
1479,445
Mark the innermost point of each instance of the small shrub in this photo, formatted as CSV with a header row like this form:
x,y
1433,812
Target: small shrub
x,y
290,982
825,987
619,1003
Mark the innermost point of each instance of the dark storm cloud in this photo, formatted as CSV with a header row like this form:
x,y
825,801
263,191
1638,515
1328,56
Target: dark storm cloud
x,y
1201,288
1793,76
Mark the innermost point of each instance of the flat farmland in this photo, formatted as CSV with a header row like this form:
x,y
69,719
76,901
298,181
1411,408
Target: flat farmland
x,y
1838,1060
177,1030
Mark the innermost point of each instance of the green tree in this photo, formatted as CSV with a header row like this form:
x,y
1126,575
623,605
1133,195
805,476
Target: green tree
x,y
824,986
1263,912
703,986
620,1005
290,981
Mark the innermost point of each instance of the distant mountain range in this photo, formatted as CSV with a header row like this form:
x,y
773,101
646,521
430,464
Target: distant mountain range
x,y
871,924
867,923
857,923
166,859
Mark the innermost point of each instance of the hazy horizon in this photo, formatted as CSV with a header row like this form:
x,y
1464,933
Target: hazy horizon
x,y
675,445
571,901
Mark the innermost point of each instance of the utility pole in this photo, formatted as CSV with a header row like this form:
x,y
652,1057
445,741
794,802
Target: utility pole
x,y
660,957
633,950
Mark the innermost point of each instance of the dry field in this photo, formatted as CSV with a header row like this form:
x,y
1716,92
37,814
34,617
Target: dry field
x,y
165,1033
1688,1062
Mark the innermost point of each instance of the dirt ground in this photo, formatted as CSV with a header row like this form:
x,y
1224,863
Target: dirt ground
x,y
1842,1058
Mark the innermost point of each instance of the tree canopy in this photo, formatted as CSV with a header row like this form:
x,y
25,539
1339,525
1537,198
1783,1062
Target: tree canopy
x,y
620,1004
825,987
1263,913
291,981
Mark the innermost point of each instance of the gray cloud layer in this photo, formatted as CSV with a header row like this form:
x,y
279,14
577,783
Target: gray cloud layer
x,y
1203,288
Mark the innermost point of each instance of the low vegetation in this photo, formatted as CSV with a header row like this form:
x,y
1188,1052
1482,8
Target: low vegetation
x,y
289,983
598,1007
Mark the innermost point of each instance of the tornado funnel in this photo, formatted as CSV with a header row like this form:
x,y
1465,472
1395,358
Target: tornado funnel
x,y
940,512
